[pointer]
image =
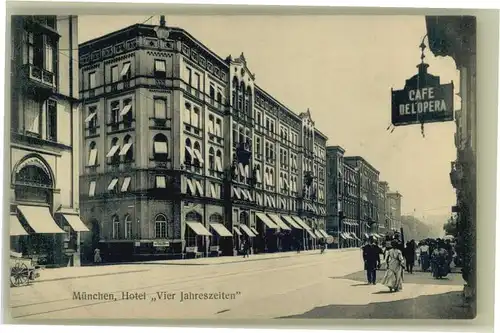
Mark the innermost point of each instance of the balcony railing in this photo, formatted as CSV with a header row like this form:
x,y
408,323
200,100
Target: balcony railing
x,y
40,76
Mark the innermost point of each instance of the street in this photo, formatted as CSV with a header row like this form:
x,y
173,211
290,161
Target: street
x,y
306,285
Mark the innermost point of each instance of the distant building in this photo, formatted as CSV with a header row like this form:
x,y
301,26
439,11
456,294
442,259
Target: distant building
x,y
368,187
185,155
44,151
335,189
383,207
350,229
394,199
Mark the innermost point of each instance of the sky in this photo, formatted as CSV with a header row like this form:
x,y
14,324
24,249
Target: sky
x,y
342,68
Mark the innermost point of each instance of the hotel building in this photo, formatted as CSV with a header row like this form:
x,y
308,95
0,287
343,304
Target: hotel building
x,y
185,155
44,135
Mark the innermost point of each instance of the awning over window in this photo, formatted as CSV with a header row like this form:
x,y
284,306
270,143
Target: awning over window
x,y
75,222
311,233
199,187
221,230
126,109
16,229
125,69
125,149
247,230
125,185
198,228
191,186
291,222
90,116
277,220
254,231
343,236
92,157
112,185
40,220
236,193
267,221
113,151
160,147
237,231
324,233
301,223
160,182
198,156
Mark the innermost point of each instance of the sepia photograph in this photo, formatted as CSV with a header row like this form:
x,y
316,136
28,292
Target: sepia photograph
x,y
241,167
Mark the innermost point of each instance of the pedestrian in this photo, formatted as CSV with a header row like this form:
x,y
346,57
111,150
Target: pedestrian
x,y
371,258
246,248
424,256
393,277
439,261
410,256
322,245
97,256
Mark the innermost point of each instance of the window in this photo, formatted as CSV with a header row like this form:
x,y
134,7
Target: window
x,y
212,92
187,113
197,154
259,118
210,125
114,74
240,96
249,101
219,97
188,158
51,120
160,69
92,80
211,158
160,148
195,118
160,109
160,182
125,73
241,137
126,113
218,161
91,120
92,188
115,113
41,50
128,227
127,149
160,226
92,154
115,158
116,227
218,127
125,184
235,93
189,76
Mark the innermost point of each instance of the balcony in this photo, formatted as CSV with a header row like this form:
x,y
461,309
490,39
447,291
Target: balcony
x,y
40,80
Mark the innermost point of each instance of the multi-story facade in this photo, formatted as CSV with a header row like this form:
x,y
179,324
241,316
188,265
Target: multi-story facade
x,y
349,215
455,36
44,152
394,207
368,188
185,154
335,189
383,207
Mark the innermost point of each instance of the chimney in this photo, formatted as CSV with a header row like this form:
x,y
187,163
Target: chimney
x,y
162,21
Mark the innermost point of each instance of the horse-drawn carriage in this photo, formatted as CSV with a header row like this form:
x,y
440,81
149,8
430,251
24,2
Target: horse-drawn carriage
x,y
22,270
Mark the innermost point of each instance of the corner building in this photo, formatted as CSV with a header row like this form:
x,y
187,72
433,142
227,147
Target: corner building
x,y
185,156
44,134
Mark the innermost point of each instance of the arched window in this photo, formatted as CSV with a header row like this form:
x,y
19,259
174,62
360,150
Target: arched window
x,y
235,93
187,113
160,226
271,176
127,149
128,227
195,118
215,218
92,161
116,227
33,183
115,157
211,158
160,147
187,152
197,161
128,116
219,158
241,92
219,97
193,216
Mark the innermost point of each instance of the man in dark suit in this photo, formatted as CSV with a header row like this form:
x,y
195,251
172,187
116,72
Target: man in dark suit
x,y
371,257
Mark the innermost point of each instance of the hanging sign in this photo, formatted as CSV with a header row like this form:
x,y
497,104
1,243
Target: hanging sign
x,y
423,100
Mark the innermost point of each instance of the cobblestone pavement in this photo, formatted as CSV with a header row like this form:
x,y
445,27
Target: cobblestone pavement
x,y
300,285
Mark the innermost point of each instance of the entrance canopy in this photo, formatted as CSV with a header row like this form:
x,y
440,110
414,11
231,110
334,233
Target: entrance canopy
x,y
247,230
291,222
198,228
75,222
16,229
221,230
279,222
270,224
40,220
301,223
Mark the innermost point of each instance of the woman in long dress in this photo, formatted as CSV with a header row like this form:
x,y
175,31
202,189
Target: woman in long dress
x,y
393,277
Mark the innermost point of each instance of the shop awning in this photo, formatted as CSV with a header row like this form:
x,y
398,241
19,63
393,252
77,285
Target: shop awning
x,y
347,236
237,231
254,231
311,233
343,236
267,221
221,230
198,228
353,235
16,229
40,220
324,233
318,234
367,236
75,222
279,222
247,230
291,222
301,223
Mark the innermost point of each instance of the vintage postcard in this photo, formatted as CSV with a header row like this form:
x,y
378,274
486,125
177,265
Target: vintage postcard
x,y
241,167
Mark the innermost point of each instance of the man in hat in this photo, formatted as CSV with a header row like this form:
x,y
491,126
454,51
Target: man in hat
x,y
371,257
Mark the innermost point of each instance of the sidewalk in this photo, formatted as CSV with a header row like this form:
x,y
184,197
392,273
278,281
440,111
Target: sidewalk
x,y
65,273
